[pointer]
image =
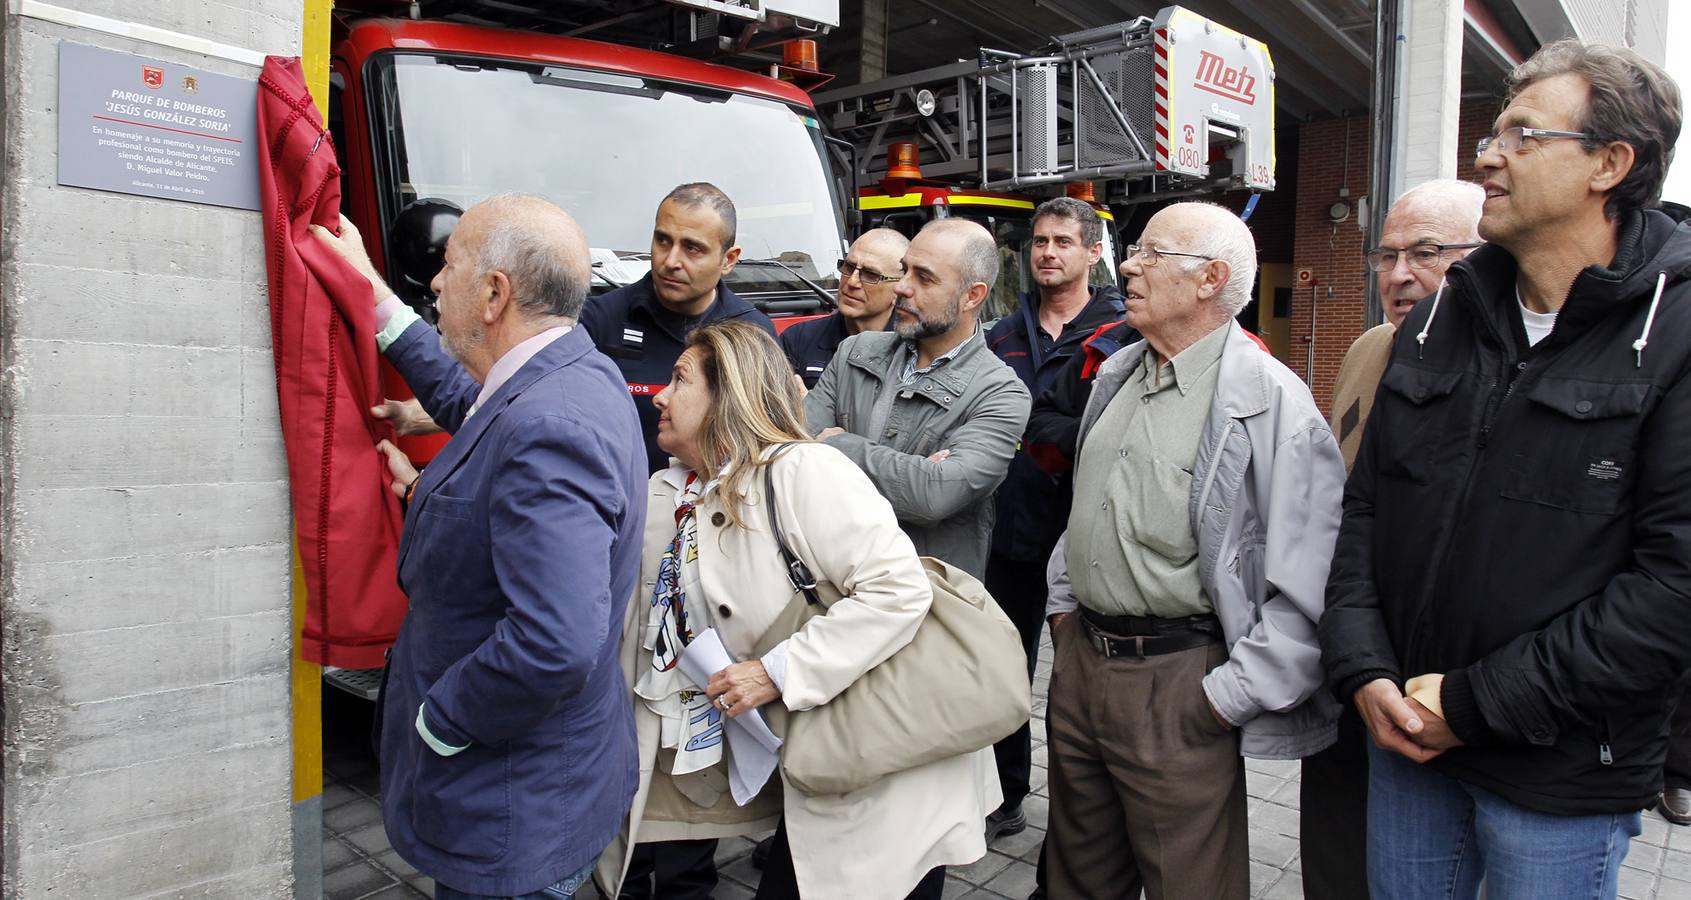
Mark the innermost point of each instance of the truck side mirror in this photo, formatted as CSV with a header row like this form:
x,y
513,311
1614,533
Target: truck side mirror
x,y
417,238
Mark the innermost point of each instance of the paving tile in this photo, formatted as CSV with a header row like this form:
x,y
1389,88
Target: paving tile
x,y
740,871
399,891
1038,811
1021,842
371,840
1636,884
982,870
337,794
1262,877
1262,784
1272,849
731,891
1655,830
336,853
1275,819
424,885
731,848
1676,864
956,888
1288,887
1017,880
349,817
1673,889
353,882
399,867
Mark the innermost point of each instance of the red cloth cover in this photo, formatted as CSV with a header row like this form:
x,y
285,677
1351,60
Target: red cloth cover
x,y
323,326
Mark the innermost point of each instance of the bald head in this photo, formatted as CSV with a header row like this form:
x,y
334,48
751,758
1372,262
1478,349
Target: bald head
x,y
976,251
1216,232
882,242
1434,213
541,250
1453,205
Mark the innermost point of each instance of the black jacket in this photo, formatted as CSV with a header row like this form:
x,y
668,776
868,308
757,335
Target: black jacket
x,y
1033,505
644,339
1519,519
1054,424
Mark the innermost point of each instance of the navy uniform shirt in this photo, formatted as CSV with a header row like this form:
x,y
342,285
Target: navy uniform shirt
x,y
644,338
809,345
1033,505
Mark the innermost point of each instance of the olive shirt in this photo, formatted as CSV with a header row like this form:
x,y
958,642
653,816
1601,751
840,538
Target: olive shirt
x,y
1131,548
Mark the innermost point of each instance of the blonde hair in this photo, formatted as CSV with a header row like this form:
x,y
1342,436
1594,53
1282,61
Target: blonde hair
x,y
753,406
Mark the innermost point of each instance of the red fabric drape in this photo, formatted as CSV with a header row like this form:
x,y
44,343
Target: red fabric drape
x,y
324,326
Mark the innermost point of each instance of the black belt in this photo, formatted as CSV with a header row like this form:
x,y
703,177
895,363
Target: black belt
x,y
1166,635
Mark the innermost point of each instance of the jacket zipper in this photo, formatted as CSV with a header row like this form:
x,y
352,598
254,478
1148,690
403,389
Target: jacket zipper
x,y
1604,754
1421,633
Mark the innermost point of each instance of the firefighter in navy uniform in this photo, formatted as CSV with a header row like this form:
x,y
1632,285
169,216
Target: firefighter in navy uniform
x,y
867,275
642,326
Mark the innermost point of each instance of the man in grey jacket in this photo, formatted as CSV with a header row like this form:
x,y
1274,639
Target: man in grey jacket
x,y
1207,490
926,409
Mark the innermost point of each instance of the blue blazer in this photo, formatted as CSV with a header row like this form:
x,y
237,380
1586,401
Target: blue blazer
x,y
520,551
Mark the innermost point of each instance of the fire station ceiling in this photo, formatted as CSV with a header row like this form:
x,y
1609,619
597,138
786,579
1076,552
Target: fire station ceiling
x,y
1323,49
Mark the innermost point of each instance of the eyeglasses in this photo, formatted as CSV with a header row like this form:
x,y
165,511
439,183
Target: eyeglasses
x,y
864,273
1421,256
1151,255
1509,139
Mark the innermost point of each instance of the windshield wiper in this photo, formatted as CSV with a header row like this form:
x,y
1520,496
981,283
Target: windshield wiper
x,y
829,301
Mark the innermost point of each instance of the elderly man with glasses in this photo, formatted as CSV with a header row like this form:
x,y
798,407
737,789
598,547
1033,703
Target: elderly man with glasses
x,y
1429,228
1185,594
867,275
1509,593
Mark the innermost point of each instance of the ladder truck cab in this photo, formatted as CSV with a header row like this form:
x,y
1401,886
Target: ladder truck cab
x,y
428,116
1144,111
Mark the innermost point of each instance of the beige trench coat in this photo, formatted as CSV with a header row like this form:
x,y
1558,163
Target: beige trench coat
x,y
875,842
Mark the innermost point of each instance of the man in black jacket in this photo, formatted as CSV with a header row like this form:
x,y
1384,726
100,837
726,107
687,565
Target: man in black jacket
x,y
1046,329
1508,598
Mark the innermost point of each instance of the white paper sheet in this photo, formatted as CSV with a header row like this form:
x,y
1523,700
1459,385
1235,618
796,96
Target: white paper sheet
x,y
754,750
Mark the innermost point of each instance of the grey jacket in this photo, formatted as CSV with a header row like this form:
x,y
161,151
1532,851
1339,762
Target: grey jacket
x,y
973,406
1266,492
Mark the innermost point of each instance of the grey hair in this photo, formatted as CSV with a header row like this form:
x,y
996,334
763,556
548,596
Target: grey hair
x,y
978,260
1077,211
545,280
702,193
1226,237
1457,203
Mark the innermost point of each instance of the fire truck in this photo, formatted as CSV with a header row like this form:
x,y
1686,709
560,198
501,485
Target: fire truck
x,y
1152,109
430,115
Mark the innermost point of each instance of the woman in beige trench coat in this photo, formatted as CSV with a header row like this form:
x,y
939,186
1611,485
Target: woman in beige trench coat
x,y
731,399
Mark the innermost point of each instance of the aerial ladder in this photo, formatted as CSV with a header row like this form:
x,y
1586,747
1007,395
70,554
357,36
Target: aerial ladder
x,y
1153,107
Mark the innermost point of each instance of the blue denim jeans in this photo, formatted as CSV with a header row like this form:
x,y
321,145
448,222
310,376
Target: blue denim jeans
x,y
563,890
1431,837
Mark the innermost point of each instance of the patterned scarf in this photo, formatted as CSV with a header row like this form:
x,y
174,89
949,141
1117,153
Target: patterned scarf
x,y
692,726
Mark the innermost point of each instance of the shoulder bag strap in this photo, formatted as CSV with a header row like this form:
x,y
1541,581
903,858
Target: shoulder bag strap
x,y
797,571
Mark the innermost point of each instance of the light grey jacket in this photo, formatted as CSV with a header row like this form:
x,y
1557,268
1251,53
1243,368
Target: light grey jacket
x,y
1266,491
973,406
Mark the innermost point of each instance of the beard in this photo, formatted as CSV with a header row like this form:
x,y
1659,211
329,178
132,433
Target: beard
x,y
456,348
916,328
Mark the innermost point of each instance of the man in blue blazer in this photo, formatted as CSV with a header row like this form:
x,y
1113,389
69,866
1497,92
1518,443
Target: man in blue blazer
x,y
508,750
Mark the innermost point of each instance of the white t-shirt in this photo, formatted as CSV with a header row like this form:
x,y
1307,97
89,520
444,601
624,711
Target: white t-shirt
x,y
1538,325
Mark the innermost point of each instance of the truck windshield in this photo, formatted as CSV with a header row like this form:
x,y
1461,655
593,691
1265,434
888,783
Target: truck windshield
x,y
607,148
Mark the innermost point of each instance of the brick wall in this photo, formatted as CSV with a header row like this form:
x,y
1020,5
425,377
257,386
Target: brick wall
x,y
1333,252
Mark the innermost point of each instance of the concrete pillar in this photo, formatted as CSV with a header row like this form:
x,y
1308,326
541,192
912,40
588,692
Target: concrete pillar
x,y
865,58
144,531
1429,94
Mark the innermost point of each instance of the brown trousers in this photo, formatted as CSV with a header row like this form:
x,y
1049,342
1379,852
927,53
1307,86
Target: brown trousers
x,y
1146,786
